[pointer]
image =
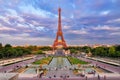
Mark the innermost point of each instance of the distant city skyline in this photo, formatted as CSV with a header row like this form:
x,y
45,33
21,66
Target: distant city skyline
x,y
34,22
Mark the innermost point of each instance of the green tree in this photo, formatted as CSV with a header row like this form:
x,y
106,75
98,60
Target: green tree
x,y
8,51
8,45
40,52
32,48
11,52
45,48
112,51
1,46
73,51
1,54
117,48
99,51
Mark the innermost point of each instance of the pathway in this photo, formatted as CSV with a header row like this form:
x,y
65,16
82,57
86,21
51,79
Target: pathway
x,y
11,67
112,68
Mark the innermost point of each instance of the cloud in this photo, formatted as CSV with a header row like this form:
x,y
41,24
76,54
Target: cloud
x,y
105,12
106,27
6,29
115,34
66,27
114,21
34,11
23,39
81,32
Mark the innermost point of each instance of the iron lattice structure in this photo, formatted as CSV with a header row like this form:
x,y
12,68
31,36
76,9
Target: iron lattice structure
x,y
59,33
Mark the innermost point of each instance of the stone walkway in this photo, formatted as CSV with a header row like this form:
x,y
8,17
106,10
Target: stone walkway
x,y
60,73
114,69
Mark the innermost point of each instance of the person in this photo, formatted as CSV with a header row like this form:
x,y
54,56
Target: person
x,y
54,75
64,78
68,76
94,72
104,77
49,76
5,71
96,64
40,75
98,77
86,78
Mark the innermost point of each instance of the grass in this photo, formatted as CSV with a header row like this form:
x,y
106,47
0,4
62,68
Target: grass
x,y
43,61
74,60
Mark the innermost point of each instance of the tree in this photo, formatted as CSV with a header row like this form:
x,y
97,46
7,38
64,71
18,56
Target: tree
x,y
8,51
86,49
45,48
73,51
11,52
32,48
118,54
40,52
0,45
8,45
117,48
100,51
112,51
1,54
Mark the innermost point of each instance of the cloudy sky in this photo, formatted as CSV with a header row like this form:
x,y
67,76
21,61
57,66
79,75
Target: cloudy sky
x,y
83,21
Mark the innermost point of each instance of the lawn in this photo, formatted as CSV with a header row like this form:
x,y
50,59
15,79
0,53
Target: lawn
x,y
74,60
43,61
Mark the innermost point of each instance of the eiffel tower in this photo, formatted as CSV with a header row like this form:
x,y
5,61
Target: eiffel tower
x,y
59,34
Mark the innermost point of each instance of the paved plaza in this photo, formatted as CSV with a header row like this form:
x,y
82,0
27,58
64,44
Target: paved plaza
x,y
112,68
23,63
61,71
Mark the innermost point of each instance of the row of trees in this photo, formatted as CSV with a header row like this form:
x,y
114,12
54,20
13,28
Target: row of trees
x,y
36,48
78,49
113,51
8,51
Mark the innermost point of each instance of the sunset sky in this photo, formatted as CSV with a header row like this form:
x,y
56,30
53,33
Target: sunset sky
x,y
35,22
